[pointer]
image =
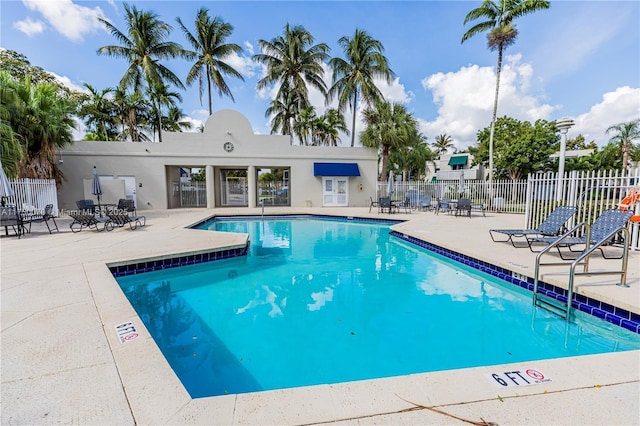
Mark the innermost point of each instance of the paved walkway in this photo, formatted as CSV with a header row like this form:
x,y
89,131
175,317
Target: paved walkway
x,y
61,360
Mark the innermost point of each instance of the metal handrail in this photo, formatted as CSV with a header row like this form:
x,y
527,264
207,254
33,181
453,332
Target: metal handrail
x,y
583,259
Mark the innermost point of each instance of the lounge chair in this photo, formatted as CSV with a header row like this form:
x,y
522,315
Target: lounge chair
x,y
129,206
10,217
602,232
373,203
86,206
551,226
83,219
406,205
463,207
45,217
120,218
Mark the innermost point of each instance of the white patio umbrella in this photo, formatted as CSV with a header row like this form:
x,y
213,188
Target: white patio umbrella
x,y
5,185
390,183
96,186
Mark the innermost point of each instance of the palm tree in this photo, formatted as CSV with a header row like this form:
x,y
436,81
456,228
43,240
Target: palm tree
x,y
134,112
332,124
364,61
210,51
164,97
283,112
44,120
498,17
389,127
304,125
144,46
442,143
292,62
11,150
98,111
626,134
174,120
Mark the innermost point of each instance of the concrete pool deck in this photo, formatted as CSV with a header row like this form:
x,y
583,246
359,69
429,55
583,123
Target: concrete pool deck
x,y
62,361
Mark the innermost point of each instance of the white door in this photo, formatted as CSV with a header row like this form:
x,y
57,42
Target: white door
x,y
335,192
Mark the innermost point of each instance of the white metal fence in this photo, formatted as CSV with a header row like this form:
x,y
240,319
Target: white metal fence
x,y
192,194
591,192
34,194
503,196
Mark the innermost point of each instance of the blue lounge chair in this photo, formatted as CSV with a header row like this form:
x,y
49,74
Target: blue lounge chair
x,y
602,232
552,226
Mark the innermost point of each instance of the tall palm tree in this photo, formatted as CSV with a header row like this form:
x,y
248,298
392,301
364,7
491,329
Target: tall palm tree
x,y
134,112
353,76
626,133
389,127
293,61
144,45
497,17
304,125
211,49
442,143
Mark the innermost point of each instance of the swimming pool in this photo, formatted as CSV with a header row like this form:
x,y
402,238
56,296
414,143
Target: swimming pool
x,y
326,301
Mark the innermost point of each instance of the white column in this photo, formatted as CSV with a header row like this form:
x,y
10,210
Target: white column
x,y
251,183
211,198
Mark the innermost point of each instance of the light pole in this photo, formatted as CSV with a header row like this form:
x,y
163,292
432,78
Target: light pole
x,y
563,125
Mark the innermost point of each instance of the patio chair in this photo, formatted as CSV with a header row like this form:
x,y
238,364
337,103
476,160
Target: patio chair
x,y
86,206
385,203
406,205
373,203
463,207
602,233
121,218
551,226
10,217
425,203
85,219
444,205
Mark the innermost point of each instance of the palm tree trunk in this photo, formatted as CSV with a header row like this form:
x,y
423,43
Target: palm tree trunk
x,y
209,90
159,123
493,121
353,119
625,156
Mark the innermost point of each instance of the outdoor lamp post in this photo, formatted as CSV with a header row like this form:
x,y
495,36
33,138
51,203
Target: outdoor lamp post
x,y
563,125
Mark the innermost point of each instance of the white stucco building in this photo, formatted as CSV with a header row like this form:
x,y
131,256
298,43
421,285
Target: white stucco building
x,y
232,157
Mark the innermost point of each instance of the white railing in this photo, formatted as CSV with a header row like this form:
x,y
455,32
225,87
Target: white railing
x,y
192,194
33,195
591,192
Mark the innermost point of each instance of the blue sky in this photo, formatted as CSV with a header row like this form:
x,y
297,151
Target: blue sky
x,y
578,59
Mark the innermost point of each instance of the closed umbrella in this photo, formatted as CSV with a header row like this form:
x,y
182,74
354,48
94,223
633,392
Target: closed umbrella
x,y
461,183
5,187
390,183
96,187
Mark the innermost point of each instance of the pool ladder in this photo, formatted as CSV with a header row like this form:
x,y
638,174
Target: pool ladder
x,y
563,308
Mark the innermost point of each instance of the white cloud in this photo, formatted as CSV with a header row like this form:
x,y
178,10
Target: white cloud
x,y
249,47
29,27
465,100
620,106
66,81
69,19
243,64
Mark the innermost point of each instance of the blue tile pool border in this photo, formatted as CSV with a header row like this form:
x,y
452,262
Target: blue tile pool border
x,y
602,310
149,265
198,224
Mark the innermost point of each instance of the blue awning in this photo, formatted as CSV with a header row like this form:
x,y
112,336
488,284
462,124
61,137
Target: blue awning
x,y
336,169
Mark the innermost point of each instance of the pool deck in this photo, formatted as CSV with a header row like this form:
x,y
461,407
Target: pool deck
x,y
62,361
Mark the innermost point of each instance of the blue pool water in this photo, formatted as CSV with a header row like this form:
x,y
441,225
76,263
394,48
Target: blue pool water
x,y
327,301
